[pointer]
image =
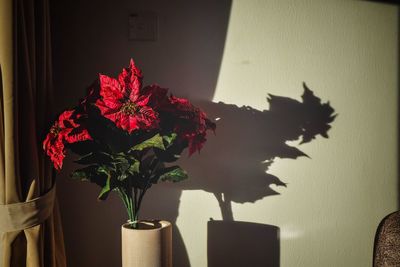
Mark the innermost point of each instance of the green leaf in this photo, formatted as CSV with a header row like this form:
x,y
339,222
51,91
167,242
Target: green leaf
x,y
103,170
122,177
93,173
134,168
140,181
169,139
173,174
84,174
94,158
155,141
84,147
105,190
121,164
80,175
172,153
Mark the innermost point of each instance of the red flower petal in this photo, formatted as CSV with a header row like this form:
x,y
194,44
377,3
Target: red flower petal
x,y
191,123
114,116
147,118
129,123
113,104
196,142
142,100
64,130
110,88
54,148
64,120
158,95
78,135
130,80
92,95
122,102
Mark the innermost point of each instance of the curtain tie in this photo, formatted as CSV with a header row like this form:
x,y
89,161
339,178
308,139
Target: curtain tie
x,y
23,215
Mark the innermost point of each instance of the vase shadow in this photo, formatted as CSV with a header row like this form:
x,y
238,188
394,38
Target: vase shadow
x,y
239,244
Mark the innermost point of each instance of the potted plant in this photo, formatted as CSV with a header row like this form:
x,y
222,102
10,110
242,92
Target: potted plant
x,y
127,137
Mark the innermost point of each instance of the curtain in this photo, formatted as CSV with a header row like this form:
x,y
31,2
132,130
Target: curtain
x,y
30,223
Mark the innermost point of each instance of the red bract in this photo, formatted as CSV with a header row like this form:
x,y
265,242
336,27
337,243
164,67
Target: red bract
x,y
64,130
191,123
91,96
158,96
122,102
197,137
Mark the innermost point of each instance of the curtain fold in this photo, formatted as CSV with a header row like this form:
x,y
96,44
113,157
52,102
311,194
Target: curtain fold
x,y
26,110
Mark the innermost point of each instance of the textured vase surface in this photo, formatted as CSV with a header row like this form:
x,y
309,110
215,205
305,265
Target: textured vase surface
x,y
148,246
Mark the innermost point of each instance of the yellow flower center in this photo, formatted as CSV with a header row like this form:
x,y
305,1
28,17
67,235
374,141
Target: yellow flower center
x,y
129,108
55,129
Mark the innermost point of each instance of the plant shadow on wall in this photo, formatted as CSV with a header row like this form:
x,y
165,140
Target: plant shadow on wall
x,y
234,168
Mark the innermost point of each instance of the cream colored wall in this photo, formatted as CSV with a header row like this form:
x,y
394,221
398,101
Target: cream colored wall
x,y
346,51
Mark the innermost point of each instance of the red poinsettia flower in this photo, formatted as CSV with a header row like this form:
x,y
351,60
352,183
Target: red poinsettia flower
x,y
197,137
122,102
64,130
191,123
158,96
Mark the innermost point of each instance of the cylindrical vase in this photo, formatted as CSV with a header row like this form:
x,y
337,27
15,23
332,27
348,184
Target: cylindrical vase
x,y
149,245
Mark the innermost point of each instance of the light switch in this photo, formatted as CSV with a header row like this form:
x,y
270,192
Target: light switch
x,y
143,26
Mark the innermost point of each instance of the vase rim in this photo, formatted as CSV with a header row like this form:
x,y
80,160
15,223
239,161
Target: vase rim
x,y
148,225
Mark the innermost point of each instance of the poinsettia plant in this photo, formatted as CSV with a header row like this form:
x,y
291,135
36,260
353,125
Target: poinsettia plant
x,y
127,136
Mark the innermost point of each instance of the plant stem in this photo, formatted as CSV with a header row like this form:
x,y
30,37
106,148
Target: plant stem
x,y
139,201
131,204
135,191
124,197
132,197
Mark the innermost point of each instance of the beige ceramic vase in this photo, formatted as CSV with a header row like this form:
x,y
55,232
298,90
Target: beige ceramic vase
x,y
148,246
